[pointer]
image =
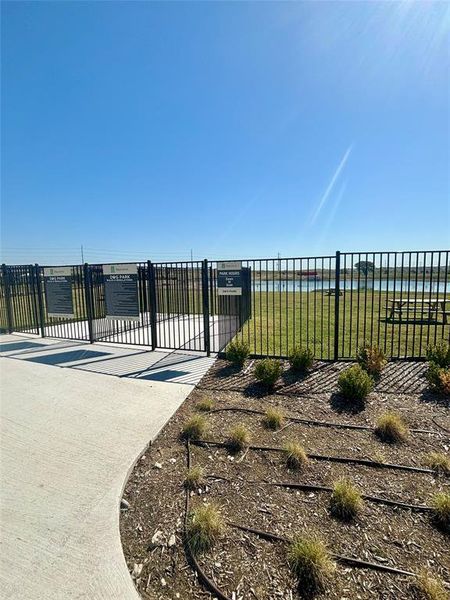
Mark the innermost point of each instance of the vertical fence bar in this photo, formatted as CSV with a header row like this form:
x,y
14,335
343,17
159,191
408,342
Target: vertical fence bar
x,y
9,314
343,306
152,304
37,271
436,312
205,297
88,297
336,305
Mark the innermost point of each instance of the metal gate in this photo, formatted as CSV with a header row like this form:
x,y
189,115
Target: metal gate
x,y
119,331
72,328
181,298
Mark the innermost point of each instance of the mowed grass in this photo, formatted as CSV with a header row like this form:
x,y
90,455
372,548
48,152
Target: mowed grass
x,y
281,320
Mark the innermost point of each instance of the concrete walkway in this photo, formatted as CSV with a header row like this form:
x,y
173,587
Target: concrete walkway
x,y
68,440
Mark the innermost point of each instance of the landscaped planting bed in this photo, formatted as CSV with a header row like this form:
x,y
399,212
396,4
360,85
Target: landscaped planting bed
x,y
254,488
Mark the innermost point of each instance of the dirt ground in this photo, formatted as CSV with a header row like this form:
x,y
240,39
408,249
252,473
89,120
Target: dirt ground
x,y
245,566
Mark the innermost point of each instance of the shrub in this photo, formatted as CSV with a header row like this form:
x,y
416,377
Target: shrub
x,y
430,588
444,382
294,455
390,427
439,462
355,383
267,371
310,562
205,525
439,378
238,438
237,352
301,359
204,405
439,354
441,510
372,359
346,501
194,428
194,478
273,419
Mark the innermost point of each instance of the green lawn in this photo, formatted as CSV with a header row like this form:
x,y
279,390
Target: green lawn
x,y
280,320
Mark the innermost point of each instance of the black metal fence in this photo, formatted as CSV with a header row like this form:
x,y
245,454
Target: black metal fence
x,y
332,304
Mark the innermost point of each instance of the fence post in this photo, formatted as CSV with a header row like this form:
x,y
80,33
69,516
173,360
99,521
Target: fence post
x,y
9,315
205,295
152,304
336,304
88,296
40,303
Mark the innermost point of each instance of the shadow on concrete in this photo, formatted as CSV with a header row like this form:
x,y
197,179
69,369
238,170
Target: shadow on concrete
x,y
166,375
16,346
65,357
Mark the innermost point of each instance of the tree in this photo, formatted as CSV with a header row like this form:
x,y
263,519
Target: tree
x,y
365,267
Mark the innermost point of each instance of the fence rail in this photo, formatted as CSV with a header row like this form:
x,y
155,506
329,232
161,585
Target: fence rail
x,y
332,304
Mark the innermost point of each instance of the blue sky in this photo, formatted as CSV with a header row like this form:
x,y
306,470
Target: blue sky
x,y
145,130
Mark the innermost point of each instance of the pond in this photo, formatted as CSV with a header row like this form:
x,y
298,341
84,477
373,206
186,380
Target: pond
x,y
402,285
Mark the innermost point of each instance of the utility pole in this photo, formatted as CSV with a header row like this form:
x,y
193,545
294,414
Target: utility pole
x,y
82,255
192,255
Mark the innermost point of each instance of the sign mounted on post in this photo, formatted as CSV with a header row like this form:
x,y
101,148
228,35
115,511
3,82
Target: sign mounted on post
x,y
121,292
229,278
58,291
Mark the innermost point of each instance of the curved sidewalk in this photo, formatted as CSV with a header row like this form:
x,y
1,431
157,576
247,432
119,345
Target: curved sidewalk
x,y
68,440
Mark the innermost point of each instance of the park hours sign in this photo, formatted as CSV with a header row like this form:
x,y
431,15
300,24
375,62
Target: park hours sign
x,y
229,278
58,291
121,292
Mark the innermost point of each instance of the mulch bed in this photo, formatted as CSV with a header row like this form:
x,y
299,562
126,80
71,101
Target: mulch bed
x,y
398,377
245,566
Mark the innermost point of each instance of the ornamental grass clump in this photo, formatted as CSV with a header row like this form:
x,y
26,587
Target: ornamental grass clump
x,y
439,354
205,526
294,455
355,383
441,510
310,562
237,352
438,374
439,462
439,378
301,359
267,371
273,419
204,405
239,438
194,478
372,359
391,428
429,587
346,501
194,428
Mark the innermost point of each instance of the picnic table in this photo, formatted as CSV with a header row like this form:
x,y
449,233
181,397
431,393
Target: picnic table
x,y
332,292
425,306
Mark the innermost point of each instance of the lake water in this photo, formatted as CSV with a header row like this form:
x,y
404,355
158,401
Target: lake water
x,y
324,284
